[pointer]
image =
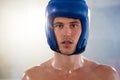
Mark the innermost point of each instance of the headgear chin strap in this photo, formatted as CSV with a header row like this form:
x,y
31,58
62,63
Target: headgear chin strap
x,y
71,9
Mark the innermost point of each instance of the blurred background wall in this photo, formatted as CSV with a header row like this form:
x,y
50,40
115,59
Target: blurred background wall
x,y
23,41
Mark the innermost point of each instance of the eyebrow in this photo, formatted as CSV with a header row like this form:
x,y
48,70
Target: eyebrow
x,y
57,23
72,22
75,22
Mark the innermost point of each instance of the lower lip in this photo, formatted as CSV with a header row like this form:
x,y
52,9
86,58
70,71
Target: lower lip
x,y
66,44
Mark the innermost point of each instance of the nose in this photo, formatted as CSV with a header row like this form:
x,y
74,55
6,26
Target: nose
x,y
67,31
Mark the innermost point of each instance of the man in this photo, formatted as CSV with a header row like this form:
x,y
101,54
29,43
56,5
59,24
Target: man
x,y
67,29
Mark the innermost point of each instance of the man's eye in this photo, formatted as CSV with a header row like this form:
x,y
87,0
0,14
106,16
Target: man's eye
x,y
73,25
58,26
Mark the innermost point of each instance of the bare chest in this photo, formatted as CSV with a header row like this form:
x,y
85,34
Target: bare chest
x,y
66,76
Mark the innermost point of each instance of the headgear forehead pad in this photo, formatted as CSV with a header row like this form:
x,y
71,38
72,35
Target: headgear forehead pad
x,y
71,9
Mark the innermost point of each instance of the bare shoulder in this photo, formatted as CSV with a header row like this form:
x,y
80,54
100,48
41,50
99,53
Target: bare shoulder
x,y
107,72
36,72
104,72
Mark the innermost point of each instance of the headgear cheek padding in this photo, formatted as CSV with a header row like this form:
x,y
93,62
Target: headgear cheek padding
x,y
70,9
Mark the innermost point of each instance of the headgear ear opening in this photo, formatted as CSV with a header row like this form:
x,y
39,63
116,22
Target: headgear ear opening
x,y
72,9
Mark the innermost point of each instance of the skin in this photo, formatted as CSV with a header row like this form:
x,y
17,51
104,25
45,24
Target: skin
x,y
74,67
67,32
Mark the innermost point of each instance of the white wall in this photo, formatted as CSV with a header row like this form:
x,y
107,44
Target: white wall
x,y
23,41
22,36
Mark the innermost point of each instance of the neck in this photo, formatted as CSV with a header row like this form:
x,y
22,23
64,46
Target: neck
x,y
67,63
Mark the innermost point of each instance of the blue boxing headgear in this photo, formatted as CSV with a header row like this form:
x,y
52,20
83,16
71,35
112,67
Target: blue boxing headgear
x,y
70,9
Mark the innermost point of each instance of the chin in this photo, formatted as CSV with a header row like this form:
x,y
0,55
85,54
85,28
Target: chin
x,y
67,52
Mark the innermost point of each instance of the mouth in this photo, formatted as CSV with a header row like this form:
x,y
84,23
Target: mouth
x,y
67,42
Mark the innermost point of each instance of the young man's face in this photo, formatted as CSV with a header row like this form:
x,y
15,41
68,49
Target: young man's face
x,y
67,32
